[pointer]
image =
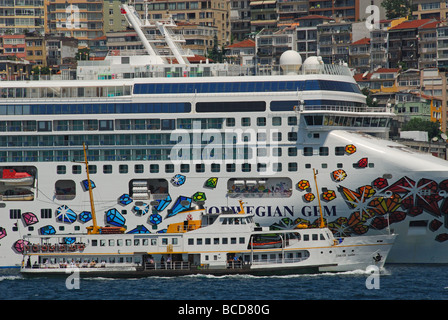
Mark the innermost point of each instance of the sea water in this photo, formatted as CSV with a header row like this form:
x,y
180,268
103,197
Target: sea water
x,y
394,282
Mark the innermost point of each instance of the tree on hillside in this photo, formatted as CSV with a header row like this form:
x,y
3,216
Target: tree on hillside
x,y
418,124
397,8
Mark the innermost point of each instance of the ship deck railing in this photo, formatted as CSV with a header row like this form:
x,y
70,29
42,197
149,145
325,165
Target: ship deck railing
x,y
173,265
277,261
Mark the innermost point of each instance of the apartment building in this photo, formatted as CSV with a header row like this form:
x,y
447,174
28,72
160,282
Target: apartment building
x,y
212,13
349,10
20,16
307,34
80,19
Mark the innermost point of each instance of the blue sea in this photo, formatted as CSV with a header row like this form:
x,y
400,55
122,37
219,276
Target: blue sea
x,y
395,282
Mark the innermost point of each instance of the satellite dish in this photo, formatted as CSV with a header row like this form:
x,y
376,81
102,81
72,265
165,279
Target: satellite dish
x,y
444,136
435,139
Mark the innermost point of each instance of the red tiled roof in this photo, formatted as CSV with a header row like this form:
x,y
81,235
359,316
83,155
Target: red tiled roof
x,y
411,24
431,25
359,77
387,70
362,41
248,43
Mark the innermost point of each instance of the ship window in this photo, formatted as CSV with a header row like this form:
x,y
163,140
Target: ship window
x,y
308,151
242,240
323,151
107,168
15,214
292,121
154,168
169,168
184,168
277,136
306,237
123,168
215,167
261,121
138,168
292,136
232,240
208,241
277,167
276,121
292,166
215,240
61,170
292,151
230,122
246,167
65,189
315,237
261,188
339,151
230,167
199,241
46,213
225,240
190,242
245,122
200,167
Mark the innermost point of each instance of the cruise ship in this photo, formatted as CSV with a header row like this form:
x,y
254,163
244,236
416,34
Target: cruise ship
x,y
165,136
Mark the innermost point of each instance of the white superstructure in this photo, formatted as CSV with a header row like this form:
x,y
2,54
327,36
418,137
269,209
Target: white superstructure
x,y
164,136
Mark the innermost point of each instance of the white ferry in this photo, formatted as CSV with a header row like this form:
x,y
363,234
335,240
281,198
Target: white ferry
x,y
163,137
197,242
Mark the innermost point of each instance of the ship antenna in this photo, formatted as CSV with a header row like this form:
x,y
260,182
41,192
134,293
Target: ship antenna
x,y
322,223
94,229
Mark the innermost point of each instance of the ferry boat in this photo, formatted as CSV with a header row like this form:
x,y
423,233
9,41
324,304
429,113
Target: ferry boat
x,y
197,242
164,136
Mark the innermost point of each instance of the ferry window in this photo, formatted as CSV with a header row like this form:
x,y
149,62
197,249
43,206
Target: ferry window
x,y
306,237
65,189
199,241
261,167
323,151
215,167
119,242
261,136
322,237
46,213
107,168
292,121
232,240
208,241
190,242
245,122
102,243
184,168
292,151
92,169
276,121
324,165
225,240
230,122
145,242
200,167
308,165
315,237
154,168
136,242
153,242
242,240
292,136
308,151
292,166
261,121
123,168
94,243
215,240
246,167
174,241
169,168
61,170
230,167
128,242
138,168
111,242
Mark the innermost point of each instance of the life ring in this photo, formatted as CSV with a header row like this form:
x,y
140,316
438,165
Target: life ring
x,y
44,248
27,248
62,247
81,247
72,247
51,248
35,248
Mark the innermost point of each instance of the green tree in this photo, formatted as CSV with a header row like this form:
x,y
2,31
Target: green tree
x,y
397,8
419,124
369,99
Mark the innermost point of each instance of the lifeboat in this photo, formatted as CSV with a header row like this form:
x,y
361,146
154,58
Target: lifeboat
x,y
11,176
